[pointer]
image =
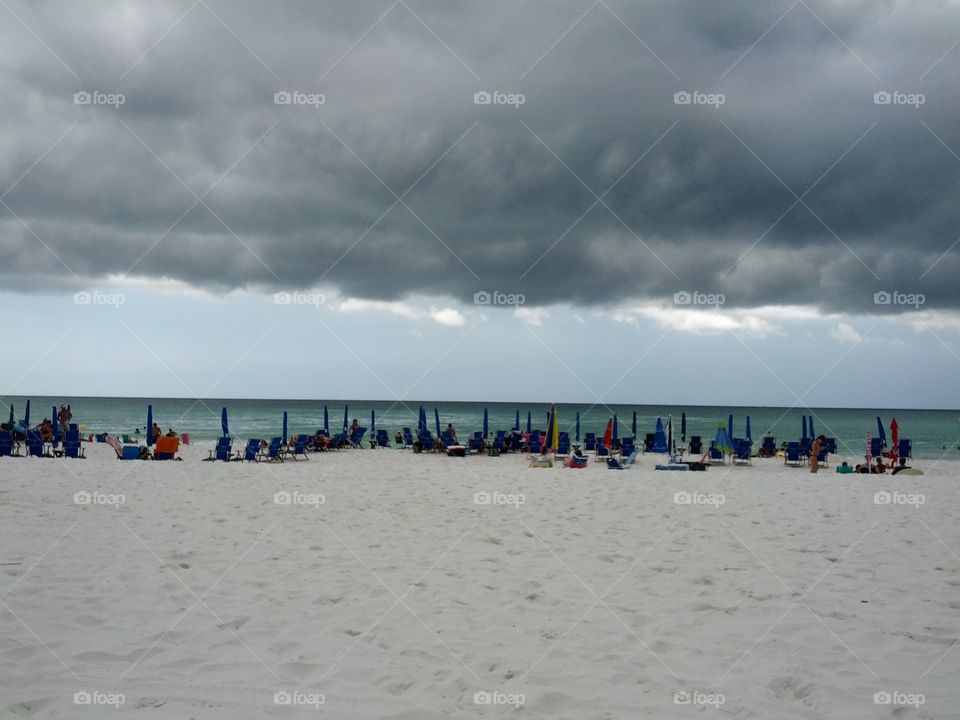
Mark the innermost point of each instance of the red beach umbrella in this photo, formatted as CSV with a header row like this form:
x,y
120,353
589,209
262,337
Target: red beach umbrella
x,y
608,434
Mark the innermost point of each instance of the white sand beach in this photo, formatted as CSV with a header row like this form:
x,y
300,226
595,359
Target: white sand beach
x,y
591,594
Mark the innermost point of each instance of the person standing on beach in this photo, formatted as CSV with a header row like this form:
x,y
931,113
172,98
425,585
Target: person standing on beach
x,y
63,419
815,453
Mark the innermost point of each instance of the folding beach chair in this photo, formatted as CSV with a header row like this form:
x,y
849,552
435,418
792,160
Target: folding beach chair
x,y
476,443
72,447
715,455
407,437
905,448
223,450
383,438
769,447
251,453
696,445
35,445
793,456
299,448
426,441
275,450
563,444
7,444
590,442
623,464
741,454
166,448
626,446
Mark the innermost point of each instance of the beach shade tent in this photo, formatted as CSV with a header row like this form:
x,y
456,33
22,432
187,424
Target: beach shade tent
x,y
722,441
436,417
881,433
529,422
150,437
659,438
486,422
804,436
578,426
284,426
683,426
326,420
633,425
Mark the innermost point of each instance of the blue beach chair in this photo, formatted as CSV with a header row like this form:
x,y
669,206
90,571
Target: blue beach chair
x,y
251,453
72,447
590,442
793,455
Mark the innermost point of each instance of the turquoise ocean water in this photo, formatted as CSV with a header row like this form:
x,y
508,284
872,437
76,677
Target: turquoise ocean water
x,y
935,433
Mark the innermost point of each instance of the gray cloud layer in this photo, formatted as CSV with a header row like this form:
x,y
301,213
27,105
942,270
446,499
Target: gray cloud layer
x,y
692,197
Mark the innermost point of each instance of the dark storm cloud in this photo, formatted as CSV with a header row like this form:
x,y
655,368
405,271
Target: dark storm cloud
x,y
200,177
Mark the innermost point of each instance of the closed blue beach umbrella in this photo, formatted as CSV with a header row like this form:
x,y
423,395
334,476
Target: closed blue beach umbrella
x,y
284,426
659,438
26,417
578,426
422,421
373,422
804,427
486,423
813,434
633,425
880,431
346,413
730,427
56,425
683,426
150,437
529,422
616,430
436,417
326,420
749,435
516,423
223,423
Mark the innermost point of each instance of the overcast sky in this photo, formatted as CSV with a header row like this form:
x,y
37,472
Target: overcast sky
x,y
328,199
